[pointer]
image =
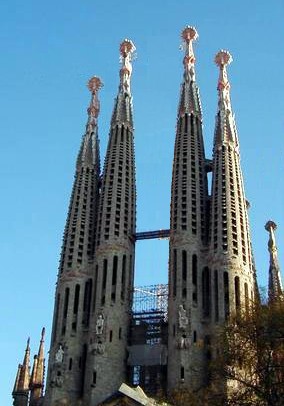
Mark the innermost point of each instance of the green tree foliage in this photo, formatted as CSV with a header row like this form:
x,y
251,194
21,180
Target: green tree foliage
x,y
251,356
247,367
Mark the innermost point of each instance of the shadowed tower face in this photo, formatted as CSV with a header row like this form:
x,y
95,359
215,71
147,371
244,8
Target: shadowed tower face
x,y
67,358
113,283
188,225
231,267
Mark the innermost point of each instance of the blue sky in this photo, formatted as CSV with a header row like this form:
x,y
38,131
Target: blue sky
x,y
48,52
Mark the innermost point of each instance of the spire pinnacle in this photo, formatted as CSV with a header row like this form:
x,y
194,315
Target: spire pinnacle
x,y
225,129
122,113
94,85
26,362
222,59
37,377
188,35
127,48
275,290
23,374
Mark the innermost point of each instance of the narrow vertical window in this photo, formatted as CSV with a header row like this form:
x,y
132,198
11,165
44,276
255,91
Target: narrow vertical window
x,y
130,276
76,299
75,307
110,336
95,287
87,302
114,278
56,318
206,297
66,302
83,361
182,373
246,297
123,278
114,270
237,293
70,364
184,265
65,310
103,297
194,279
120,333
94,377
175,273
226,295
105,274
216,295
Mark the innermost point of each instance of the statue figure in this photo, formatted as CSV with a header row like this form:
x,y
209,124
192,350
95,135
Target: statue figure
x,y
58,381
100,324
59,355
183,319
184,342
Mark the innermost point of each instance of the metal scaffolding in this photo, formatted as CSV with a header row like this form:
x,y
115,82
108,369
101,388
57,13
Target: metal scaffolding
x,y
148,338
149,300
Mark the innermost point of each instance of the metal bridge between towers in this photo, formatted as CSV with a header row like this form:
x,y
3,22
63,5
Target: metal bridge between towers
x,y
149,235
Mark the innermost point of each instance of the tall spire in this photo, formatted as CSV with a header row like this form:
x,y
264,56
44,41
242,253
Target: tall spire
x,y
74,287
37,377
225,124
123,108
222,59
81,217
275,289
23,375
89,151
189,100
188,237
114,255
21,387
188,35
230,242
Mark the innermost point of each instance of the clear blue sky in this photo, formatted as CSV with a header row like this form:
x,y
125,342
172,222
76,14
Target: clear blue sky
x,y
49,49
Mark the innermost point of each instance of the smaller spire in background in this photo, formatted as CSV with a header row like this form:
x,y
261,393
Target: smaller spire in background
x,y
94,85
275,289
37,377
188,35
23,374
89,151
21,388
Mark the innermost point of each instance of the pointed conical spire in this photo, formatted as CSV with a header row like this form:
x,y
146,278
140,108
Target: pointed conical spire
x,y
115,244
188,237
189,100
89,151
21,387
230,242
275,289
23,374
123,107
37,377
225,124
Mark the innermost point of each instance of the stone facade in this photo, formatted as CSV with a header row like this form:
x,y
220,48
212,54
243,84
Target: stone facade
x,y
211,269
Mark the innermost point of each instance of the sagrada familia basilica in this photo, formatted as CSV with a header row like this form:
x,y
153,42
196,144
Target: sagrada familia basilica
x,y
109,336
